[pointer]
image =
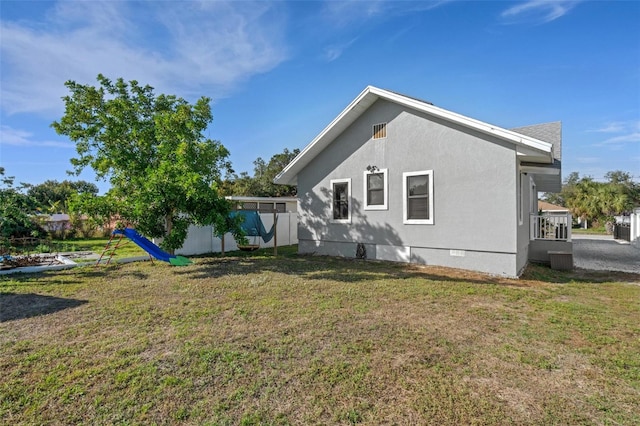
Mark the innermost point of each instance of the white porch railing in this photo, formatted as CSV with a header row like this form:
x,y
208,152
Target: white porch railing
x,y
553,227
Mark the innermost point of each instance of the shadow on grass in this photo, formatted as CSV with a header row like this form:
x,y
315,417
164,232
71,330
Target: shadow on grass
x,y
356,270
312,267
544,273
339,269
19,306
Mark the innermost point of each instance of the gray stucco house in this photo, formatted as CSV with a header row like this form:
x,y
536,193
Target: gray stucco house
x,y
408,181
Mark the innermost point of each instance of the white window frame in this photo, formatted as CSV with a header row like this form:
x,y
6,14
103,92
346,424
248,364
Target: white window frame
x,y
385,187
332,182
405,191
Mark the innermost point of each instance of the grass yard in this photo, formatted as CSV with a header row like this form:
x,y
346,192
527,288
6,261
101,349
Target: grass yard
x,y
126,248
590,231
250,339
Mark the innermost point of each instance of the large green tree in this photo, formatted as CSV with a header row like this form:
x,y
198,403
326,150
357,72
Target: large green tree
x,y
164,172
16,211
598,201
55,196
261,184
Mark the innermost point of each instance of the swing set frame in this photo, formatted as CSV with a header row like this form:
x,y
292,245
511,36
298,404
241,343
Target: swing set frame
x,y
254,247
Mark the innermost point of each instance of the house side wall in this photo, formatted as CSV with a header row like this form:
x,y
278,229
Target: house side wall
x,y
527,195
475,179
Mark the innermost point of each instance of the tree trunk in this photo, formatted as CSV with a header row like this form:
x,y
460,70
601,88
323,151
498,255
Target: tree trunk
x,y
169,223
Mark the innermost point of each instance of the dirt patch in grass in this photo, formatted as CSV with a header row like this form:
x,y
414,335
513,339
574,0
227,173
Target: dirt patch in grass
x,y
309,340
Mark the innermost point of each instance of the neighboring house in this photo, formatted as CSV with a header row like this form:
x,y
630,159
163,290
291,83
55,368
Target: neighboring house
x,y
396,178
57,222
548,208
265,204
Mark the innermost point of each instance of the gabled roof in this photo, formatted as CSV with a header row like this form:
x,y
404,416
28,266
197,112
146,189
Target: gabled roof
x,y
548,177
548,207
532,146
548,132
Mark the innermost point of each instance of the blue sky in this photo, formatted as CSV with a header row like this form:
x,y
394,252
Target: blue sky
x,y
279,72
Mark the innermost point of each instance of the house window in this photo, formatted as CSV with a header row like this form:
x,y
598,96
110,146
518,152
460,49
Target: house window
x,y
341,197
281,207
249,205
380,131
265,207
417,194
375,190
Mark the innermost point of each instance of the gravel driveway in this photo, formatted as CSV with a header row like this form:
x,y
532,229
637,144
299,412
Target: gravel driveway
x,y
603,253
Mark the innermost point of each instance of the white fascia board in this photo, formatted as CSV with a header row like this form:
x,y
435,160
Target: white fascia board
x,y
288,175
527,154
540,170
244,198
366,98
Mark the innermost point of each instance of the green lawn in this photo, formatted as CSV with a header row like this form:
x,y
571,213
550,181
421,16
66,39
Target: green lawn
x,y
251,339
597,231
126,248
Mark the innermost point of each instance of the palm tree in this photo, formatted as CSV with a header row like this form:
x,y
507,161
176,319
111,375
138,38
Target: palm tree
x,y
612,201
584,203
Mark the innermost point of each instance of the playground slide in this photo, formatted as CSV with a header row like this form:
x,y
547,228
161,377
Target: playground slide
x,y
151,248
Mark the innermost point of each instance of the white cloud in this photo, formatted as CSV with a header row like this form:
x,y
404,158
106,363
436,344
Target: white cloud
x,y
631,137
351,16
538,11
622,132
588,160
331,53
22,138
182,48
346,13
611,127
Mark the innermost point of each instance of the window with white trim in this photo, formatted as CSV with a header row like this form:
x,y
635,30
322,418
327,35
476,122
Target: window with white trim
x,y
380,131
417,197
341,200
376,186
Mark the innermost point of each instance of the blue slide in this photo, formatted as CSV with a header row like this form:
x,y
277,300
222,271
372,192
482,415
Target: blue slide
x,y
151,248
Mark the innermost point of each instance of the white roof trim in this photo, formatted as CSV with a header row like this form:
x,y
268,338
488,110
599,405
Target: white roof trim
x,y
243,198
369,95
540,170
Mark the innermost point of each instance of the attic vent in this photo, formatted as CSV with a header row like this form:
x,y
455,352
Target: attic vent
x,y
380,131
